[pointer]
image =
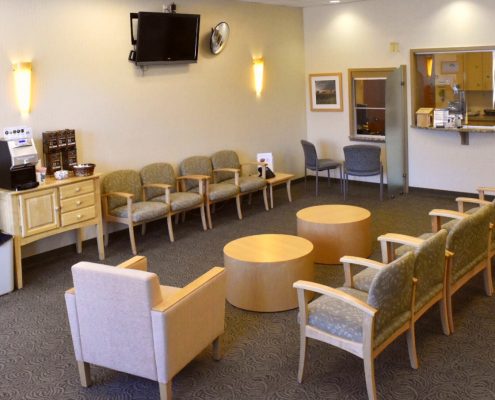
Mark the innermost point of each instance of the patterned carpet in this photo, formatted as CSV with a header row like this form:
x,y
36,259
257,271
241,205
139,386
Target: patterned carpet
x,y
260,349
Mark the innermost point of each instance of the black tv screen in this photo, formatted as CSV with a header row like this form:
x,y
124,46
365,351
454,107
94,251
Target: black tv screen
x,y
165,37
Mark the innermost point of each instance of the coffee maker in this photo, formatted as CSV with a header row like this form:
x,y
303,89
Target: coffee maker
x,y
18,158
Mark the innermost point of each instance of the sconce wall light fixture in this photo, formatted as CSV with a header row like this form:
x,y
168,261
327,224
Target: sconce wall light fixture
x,y
22,78
258,66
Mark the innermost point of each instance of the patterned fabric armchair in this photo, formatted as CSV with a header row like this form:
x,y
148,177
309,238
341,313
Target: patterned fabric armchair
x,y
363,323
228,169
200,166
121,318
122,200
162,185
430,269
470,242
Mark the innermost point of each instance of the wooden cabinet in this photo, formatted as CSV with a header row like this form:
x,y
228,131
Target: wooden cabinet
x,y
52,208
479,71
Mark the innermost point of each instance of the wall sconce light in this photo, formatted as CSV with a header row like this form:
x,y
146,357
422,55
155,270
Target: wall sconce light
x,y
22,78
258,65
429,66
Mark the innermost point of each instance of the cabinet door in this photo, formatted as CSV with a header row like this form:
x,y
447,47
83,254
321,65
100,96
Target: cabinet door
x,y
39,211
488,71
474,71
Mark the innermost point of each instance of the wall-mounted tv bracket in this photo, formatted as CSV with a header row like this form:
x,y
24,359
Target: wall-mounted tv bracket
x,y
172,8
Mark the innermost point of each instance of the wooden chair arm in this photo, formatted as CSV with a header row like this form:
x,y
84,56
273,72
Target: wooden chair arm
x,y
401,239
234,170
447,213
194,177
188,289
470,200
120,194
138,262
336,294
365,262
483,189
157,186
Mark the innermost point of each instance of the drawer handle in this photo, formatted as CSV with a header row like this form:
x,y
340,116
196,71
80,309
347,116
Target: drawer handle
x,y
78,189
78,202
79,216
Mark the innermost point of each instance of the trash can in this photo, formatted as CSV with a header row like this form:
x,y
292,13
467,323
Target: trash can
x,y
6,264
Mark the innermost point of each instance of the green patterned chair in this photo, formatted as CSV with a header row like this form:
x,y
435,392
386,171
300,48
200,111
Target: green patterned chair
x,y
163,186
228,169
469,240
201,167
362,323
122,200
479,202
430,269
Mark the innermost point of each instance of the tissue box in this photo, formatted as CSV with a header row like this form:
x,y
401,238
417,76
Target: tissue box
x,y
424,117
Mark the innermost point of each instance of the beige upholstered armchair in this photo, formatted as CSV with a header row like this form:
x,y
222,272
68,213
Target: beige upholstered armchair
x,y
160,184
122,202
200,166
228,169
362,323
121,318
431,269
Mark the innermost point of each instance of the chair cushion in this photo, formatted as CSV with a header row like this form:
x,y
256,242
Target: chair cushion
x,y
143,211
125,180
196,165
336,317
158,173
225,159
181,200
222,191
326,163
363,279
248,183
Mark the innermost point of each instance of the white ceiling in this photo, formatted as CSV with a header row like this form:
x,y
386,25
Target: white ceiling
x,y
300,3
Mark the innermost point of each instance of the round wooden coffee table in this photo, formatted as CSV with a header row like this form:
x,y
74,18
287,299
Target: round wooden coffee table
x,y
336,230
262,268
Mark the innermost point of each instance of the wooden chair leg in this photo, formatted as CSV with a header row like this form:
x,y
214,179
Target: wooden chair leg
x,y
84,373
250,199
487,278
105,234
369,373
203,219
411,347
143,229
183,217
444,317
176,219
302,355
450,312
165,390
238,203
265,199
131,238
208,215
217,350
170,228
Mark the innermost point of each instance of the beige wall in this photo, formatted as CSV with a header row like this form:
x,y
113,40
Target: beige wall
x,y
126,119
357,35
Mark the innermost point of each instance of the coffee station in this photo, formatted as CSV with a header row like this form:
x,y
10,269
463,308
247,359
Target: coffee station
x,y
33,208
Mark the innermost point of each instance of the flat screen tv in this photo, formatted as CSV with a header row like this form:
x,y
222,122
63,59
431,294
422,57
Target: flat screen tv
x,y
163,38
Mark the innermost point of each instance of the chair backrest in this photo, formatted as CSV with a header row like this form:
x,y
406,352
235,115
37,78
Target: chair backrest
x,y
391,293
310,155
225,159
362,159
429,267
468,240
125,180
195,165
114,317
158,173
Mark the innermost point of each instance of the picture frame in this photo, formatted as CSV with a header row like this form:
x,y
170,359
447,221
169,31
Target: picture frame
x,y
450,67
325,91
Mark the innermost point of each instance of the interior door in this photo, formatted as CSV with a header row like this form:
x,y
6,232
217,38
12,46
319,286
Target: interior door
x,y
396,132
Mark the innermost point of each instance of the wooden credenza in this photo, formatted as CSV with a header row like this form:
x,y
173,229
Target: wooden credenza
x,y
53,207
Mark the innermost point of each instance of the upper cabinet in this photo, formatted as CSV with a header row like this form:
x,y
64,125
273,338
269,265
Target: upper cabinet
x,y
479,71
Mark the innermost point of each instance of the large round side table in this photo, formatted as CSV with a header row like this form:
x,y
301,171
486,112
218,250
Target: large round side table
x,y
261,269
336,230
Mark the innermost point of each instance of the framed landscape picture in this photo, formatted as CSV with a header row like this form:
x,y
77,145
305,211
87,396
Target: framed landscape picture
x,y
325,91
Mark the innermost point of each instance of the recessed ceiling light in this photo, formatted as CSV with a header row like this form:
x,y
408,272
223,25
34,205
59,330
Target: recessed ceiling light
x,y
334,1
